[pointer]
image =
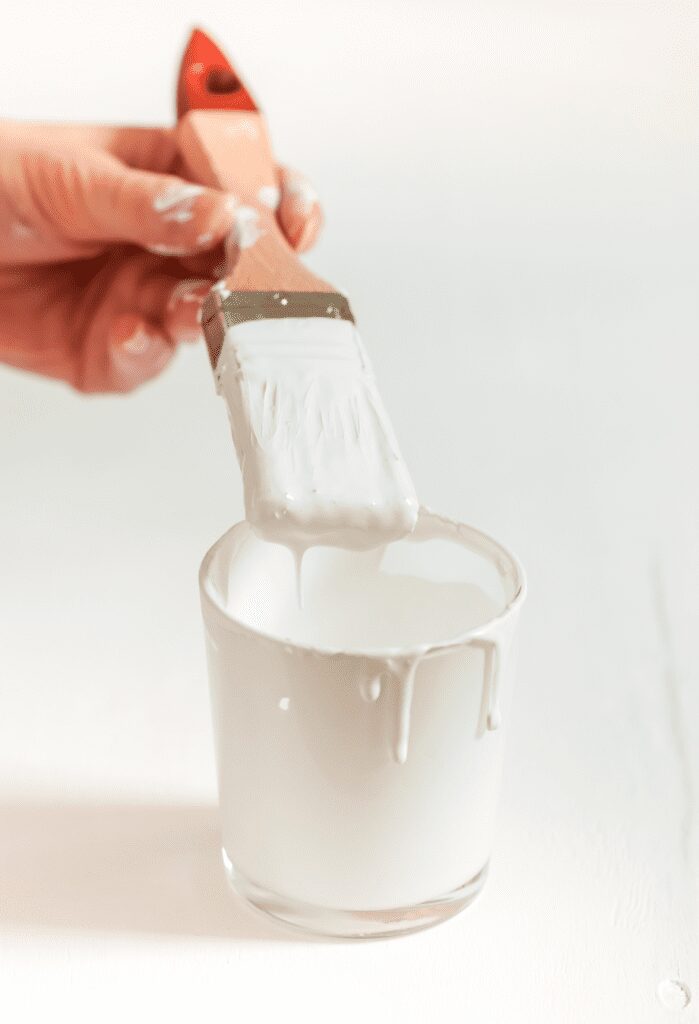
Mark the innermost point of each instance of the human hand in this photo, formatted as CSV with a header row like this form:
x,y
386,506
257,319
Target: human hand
x,y
106,252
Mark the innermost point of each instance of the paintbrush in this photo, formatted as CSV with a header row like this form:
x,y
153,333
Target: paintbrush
x,y
318,455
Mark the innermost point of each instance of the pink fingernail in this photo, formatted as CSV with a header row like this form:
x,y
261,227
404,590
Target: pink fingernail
x,y
305,236
182,321
309,231
174,251
137,344
124,328
135,352
192,289
177,201
302,193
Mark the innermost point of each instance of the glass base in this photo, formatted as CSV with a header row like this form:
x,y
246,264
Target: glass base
x,y
354,924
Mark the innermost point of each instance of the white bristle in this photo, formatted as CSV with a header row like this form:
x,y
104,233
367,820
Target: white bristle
x,y
319,457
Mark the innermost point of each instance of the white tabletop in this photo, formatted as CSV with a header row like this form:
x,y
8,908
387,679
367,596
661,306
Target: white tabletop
x,y
510,196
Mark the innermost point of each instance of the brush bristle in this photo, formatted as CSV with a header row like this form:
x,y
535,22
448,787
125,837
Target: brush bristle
x,y
223,309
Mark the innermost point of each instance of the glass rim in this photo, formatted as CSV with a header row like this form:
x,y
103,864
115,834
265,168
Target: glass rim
x,y
506,563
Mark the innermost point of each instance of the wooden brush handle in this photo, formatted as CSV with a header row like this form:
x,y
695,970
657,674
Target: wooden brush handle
x,y
230,150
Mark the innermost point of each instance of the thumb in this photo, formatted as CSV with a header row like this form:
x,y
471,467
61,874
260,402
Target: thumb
x,y
93,197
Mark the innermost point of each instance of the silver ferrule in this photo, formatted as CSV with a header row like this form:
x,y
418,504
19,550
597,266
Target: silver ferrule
x,y
223,309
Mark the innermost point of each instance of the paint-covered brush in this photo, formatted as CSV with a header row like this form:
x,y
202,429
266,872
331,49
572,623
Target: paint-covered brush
x,y
319,458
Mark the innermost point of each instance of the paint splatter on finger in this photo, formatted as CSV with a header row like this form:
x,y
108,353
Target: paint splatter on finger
x,y
244,233
270,196
176,203
192,289
302,194
184,219
246,227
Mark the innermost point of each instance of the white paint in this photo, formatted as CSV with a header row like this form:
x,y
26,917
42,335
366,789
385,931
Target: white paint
x,y
302,193
404,674
674,994
566,331
370,689
297,553
384,672
188,290
269,195
245,230
176,203
319,458
204,238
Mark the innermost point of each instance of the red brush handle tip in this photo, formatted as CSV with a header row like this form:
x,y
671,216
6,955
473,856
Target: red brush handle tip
x,y
208,80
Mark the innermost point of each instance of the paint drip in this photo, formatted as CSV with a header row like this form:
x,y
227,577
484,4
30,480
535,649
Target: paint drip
x,y
319,459
346,604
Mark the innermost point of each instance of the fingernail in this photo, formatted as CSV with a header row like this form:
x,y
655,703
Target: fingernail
x,y
182,322
218,224
302,193
135,352
305,237
137,344
309,230
192,289
126,332
170,250
176,203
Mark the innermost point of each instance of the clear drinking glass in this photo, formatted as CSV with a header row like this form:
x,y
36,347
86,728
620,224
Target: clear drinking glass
x,y
359,763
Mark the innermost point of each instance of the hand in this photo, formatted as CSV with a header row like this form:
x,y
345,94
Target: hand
x,y
105,253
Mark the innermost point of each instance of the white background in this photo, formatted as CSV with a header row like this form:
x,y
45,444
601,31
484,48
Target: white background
x,y
510,196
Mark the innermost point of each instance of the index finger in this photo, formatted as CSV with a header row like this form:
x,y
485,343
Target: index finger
x,y
144,148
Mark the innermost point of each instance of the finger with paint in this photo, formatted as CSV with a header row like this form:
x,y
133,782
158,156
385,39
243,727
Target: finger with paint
x,y
297,207
140,345
76,299
299,213
64,198
104,324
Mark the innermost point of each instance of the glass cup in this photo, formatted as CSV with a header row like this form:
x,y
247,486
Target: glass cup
x,y
359,738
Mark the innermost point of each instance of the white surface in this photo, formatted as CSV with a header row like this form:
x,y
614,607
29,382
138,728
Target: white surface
x,y
519,182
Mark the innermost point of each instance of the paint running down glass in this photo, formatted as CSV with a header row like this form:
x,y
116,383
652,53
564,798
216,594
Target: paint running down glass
x,y
359,737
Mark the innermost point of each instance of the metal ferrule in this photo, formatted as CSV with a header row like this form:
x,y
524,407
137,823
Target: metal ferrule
x,y
223,309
